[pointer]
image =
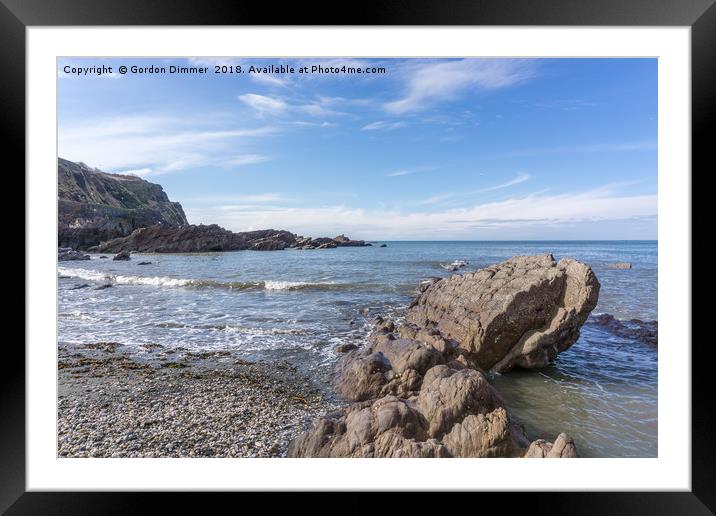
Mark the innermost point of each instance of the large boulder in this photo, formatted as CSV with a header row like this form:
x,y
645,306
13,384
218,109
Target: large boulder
x,y
418,386
521,312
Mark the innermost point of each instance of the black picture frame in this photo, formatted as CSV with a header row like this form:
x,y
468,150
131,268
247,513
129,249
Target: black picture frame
x,y
700,15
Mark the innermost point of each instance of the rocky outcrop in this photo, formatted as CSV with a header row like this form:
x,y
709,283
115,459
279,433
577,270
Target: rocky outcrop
x,y
208,238
65,254
619,265
328,243
196,239
646,332
94,206
521,312
419,387
122,256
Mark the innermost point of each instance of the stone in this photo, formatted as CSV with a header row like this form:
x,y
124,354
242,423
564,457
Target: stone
x,y
562,448
345,348
447,396
521,312
362,375
619,265
122,256
65,254
485,435
645,332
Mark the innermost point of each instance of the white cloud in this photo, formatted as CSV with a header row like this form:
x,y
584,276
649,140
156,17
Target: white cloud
x,y
528,215
154,144
140,172
263,103
435,82
520,178
577,149
276,106
440,198
245,159
399,173
381,125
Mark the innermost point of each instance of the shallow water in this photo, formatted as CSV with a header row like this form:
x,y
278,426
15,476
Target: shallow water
x,y
298,305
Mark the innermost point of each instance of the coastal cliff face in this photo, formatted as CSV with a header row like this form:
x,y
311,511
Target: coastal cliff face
x,y
94,206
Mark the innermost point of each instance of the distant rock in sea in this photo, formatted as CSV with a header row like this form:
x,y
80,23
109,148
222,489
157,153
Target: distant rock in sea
x,y
122,256
65,254
95,206
646,332
619,265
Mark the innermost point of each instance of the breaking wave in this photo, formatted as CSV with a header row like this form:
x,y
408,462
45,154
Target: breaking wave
x,y
165,281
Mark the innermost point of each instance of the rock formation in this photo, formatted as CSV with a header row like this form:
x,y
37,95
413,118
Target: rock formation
x,y
195,239
419,387
619,265
521,312
122,256
110,213
414,400
94,206
65,254
210,238
328,243
646,332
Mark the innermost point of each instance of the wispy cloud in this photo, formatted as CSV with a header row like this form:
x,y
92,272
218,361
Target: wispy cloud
x,y
535,212
451,196
263,104
245,159
410,171
578,149
436,82
156,144
381,125
277,106
398,173
228,202
520,178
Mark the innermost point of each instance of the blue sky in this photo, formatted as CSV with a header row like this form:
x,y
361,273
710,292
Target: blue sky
x,y
433,149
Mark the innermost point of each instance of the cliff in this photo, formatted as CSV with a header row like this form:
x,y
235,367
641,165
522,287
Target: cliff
x,y
94,206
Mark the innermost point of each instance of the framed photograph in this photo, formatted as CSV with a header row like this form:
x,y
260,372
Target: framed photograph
x,y
408,251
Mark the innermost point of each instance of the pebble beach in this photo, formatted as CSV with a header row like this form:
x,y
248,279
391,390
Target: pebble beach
x,y
175,403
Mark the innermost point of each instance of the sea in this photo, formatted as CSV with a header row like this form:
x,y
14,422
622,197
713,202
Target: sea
x,y
298,305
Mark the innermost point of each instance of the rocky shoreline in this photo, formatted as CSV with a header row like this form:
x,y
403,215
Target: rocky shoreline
x,y
418,386
113,402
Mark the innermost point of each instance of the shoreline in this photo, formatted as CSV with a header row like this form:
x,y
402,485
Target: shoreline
x,y
177,403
